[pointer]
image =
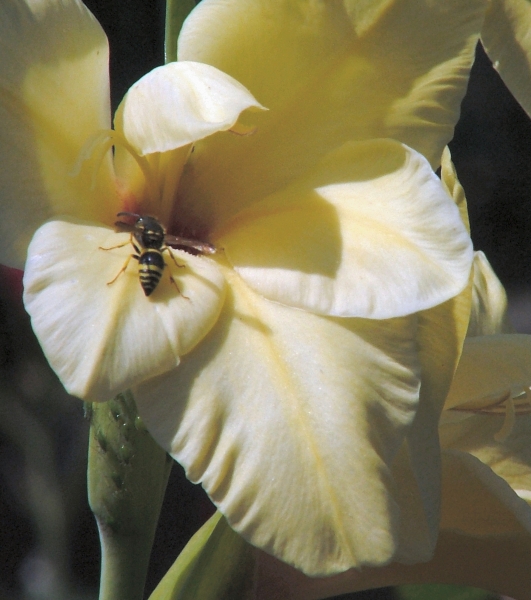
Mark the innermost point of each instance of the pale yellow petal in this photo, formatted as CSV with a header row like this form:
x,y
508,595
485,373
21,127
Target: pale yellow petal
x,y
489,301
453,186
478,502
178,104
497,564
54,95
440,335
506,36
291,422
329,72
370,232
491,368
509,457
102,337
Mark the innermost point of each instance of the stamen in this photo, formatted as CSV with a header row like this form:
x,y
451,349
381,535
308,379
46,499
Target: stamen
x,y
508,422
510,404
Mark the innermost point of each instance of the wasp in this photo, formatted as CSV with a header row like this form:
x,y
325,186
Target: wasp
x,y
149,240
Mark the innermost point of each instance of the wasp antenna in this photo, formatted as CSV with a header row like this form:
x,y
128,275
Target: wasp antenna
x,y
128,214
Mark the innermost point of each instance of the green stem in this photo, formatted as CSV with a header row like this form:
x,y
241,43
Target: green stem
x,y
127,478
176,13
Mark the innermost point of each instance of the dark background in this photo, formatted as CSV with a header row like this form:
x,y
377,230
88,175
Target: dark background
x,y
48,541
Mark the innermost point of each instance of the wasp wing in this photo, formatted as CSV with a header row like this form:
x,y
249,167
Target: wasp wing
x,y
185,243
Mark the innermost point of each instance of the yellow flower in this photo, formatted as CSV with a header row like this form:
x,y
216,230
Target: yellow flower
x,y
299,372
485,433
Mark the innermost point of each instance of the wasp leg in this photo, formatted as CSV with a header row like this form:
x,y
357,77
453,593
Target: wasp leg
x,y
178,265
173,257
123,268
130,241
177,287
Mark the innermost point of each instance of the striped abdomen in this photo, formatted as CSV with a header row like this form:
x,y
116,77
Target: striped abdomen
x,y
150,267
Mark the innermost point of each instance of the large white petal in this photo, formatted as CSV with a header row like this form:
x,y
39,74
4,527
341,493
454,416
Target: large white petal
x,y
370,232
102,338
54,95
329,72
291,422
178,104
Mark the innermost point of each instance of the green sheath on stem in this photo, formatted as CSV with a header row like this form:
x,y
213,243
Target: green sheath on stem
x,y
176,13
127,477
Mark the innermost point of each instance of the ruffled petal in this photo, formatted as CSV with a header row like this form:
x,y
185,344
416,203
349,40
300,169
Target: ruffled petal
x,y
369,233
440,335
452,185
489,301
506,36
485,543
54,95
329,72
178,104
291,422
102,337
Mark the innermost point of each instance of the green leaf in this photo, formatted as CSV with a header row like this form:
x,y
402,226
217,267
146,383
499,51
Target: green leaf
x,y
442,592
216,564
176,13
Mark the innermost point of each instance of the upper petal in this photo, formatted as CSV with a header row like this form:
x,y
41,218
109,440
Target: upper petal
x,y
506,36
100,334
54,95
292,421
329,72
178,104
370,232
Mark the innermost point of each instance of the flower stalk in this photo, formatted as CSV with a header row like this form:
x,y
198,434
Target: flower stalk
x,y
127,477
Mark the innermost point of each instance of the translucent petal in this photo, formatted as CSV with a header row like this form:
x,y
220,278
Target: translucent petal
x,y
478,502
509,458
102,337
491,395
499,564
491,368
329,72
54,95
178,104
506,36
370,232
291,422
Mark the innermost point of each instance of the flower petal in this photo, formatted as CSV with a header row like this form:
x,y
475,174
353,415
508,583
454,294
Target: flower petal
x,y
498,563
329,72
54,95
477,435
178,104
478,502
440,335
491,368
489,304
369,233
291,422
507,39
452,185
102,337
